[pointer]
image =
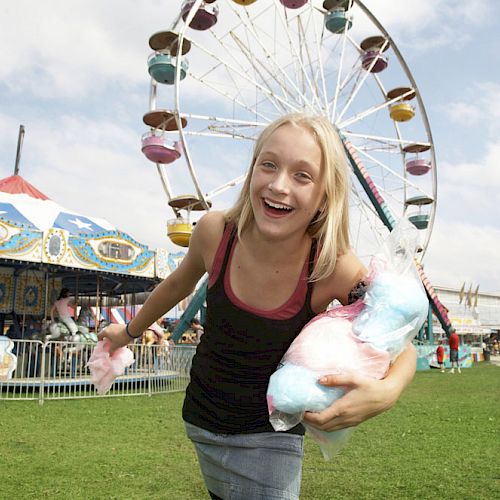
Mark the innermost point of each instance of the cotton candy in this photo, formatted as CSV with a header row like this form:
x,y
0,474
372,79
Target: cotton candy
x,y
105,367
361,338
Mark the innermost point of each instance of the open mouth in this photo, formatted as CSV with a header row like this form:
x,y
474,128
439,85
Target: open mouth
x,y
276,208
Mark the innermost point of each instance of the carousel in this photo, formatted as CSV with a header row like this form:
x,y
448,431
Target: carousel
x,y
46,248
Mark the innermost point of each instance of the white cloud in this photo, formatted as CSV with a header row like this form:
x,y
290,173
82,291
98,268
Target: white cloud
x,y
464,252
431,24
66,49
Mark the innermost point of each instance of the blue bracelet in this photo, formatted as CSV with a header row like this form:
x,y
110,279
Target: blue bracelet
x,y
128,333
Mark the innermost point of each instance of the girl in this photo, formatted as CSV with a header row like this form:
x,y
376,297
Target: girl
x,y
280,256
61,308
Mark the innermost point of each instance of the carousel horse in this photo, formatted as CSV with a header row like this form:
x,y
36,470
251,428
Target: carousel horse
x,y
57,330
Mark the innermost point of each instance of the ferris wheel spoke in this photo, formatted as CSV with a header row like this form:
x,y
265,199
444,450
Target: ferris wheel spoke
x,y
339,76
370,111
219,127
318,37
230,75
228,185
276,69
314,59
392,142
279,103
259,67
297,57
230,97
360,83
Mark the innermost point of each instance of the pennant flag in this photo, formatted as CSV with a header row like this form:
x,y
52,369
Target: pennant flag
x,y
475,296
469,296
461,293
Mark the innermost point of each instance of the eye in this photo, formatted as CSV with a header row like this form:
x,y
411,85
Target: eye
x,y
304,176
268,164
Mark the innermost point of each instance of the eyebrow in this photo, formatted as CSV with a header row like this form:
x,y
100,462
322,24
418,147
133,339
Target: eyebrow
x,y
304,163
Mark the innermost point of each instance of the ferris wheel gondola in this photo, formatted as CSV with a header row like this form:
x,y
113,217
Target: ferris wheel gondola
x,y
251,61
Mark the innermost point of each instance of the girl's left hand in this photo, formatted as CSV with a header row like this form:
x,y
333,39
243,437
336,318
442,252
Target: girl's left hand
x,y
365,398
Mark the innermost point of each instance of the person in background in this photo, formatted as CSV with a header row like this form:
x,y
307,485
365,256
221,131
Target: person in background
x,y
440,355
454,343
61,308
195,325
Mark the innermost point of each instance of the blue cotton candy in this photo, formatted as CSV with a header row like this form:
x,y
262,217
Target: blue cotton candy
x,y
395,307
295,389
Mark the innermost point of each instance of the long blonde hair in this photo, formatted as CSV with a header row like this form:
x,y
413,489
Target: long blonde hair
x,y
330,226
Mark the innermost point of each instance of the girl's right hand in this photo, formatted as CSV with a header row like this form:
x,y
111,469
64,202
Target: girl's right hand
x,y
116,335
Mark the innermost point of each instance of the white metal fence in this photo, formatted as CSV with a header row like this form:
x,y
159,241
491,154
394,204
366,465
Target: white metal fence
x,y
56,370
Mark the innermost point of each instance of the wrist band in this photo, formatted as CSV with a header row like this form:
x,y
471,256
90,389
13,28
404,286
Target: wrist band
x,y
129,334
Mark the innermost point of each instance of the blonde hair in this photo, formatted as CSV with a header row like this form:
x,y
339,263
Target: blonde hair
x,y
330,226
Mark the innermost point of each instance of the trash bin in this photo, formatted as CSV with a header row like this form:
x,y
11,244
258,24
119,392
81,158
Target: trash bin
x,y
486,355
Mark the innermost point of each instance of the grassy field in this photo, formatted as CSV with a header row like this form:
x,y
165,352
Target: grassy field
x,y
440,441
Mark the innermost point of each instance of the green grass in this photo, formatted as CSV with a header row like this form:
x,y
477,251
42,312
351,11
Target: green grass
x,y
440,441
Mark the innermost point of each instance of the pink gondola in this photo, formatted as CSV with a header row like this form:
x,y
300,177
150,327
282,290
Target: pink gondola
x,y
158,149
418,166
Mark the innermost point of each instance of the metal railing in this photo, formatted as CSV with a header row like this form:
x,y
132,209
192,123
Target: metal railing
x,y
57,370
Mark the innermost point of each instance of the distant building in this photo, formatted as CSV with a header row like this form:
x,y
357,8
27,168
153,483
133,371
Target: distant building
x,y
473,314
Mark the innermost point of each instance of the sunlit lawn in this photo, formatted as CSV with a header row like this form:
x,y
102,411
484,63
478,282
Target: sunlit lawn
x,y
440,441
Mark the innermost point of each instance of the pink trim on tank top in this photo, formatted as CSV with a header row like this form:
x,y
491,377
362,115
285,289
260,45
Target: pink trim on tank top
x,y
287,310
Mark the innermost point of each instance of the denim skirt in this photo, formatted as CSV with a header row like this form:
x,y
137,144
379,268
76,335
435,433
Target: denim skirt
x,y
261,466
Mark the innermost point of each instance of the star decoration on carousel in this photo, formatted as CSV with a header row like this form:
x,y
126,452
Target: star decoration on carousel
x,y
80,224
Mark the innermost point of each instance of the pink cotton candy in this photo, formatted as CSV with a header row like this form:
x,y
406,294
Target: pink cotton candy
x,y
327,345
104,368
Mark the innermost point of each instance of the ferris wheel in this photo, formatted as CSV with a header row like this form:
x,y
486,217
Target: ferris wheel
x,y
225,69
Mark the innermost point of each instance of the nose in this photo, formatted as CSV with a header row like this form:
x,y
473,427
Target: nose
x,y
280,183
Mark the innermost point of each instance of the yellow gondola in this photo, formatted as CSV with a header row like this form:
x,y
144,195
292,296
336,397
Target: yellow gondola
x,y
244,2
402,112
179,231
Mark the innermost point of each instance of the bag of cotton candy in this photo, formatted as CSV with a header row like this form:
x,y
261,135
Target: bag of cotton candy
x,y
363,338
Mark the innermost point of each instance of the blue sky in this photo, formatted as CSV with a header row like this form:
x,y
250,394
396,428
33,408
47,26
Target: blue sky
x,y
75,75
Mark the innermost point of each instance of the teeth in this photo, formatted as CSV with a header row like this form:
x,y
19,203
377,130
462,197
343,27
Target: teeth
x,y
277,205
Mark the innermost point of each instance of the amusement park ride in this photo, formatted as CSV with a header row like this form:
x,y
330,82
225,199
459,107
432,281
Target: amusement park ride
x,y
251,61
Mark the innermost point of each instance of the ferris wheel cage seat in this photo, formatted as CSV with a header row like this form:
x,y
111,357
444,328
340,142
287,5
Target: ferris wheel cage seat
x,y
157,149
418,166
163,68
205,17
380,64
402,112
293,4
179,231
420,221
338,20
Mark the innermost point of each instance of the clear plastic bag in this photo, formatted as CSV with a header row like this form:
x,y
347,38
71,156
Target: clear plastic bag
x,y
363,338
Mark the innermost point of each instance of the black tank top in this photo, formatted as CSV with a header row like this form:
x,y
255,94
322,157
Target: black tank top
x,y
237,354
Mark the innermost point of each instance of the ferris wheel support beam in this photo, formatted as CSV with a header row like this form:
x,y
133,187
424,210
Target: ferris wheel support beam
x,y
369,187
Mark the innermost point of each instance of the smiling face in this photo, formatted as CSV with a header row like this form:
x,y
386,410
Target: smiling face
x,y
286,188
